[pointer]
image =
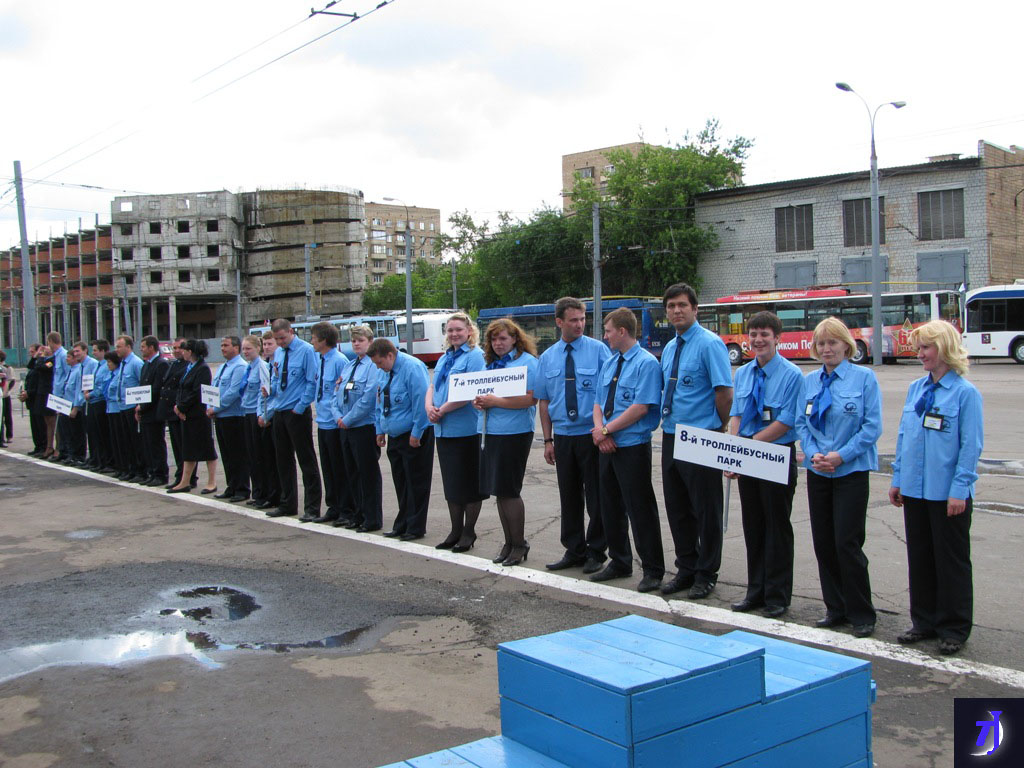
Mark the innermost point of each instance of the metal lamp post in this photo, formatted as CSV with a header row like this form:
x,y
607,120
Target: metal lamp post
x,y
876,259
408,274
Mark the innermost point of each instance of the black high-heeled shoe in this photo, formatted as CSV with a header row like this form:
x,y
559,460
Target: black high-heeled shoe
x,y
450,541
505,550
517,555
464,547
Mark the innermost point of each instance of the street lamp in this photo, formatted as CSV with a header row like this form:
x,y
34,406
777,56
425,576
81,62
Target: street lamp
x,y
876,260
408,274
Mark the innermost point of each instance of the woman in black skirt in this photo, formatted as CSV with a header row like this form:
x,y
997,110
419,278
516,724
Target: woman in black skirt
x,y
197,431
506,434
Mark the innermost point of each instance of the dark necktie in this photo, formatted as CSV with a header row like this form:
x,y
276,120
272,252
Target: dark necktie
x,y
609,403
441,374
320,382
387,393
822,401
926,402
350,378
753,414
284,370
220,373
670,387
501,362
571,404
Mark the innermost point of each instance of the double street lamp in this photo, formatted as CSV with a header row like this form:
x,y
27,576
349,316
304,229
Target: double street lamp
x,y
876,260
408,274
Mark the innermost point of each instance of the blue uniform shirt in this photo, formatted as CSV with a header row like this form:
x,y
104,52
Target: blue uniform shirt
x,y
408,390
61,369
703,365
513,421
100,381
853,423
88,366
333,364
639,384
125,375
73,387
251,392
228,380
783,386
940,464
300,389
463,421
359,381
588,355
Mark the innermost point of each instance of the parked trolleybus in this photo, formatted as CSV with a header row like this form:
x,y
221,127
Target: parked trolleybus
x,y
383,326
801,311
427,332
995,321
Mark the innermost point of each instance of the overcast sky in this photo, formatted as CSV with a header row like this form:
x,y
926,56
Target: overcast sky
x,y
470,104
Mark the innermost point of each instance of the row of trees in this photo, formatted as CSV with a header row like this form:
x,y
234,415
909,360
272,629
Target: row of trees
x,y
649,237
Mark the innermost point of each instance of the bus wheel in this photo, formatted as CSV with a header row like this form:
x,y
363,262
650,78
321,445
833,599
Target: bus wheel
x,y
735,354
861,354
1017,352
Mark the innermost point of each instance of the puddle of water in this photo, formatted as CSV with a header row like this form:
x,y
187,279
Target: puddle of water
x,y
85,533
238,604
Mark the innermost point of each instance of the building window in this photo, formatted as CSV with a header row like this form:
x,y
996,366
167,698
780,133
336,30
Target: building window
x,y
154,253
431,226
154,205
126,254
213,275
213,225
857,221
184,276
377,234
794,228
376,223
586,173
940,214
156,277
126,229
391,251
390,266
381,249
422,226
400,224
213,251
129,279
183,227
400,251
154,227
400,238
376,278
182,251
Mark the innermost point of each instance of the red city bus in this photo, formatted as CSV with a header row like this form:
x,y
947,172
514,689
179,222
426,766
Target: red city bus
x,y
801,311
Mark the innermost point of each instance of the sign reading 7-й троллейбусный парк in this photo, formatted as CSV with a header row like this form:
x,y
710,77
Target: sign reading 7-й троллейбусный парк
x,y
501,382
741,455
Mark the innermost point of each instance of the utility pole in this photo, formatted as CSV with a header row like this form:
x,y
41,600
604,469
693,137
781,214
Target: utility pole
x,y
238,298
598,314
455,295
308,253
29,322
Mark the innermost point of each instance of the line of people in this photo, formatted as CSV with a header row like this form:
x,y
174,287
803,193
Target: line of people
x,y
599,405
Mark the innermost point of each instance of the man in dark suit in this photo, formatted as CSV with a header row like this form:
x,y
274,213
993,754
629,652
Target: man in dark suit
x,y
165,409
154,447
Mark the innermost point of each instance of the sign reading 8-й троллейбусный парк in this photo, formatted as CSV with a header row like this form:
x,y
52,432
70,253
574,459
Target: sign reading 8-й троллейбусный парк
x,y
741,455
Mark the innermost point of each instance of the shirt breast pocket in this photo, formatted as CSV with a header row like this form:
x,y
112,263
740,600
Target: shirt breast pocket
x,y
586,379
850,403
398,395
692,378
950,419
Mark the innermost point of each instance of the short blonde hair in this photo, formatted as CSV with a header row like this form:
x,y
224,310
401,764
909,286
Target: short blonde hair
x,y
947,339
833,328
361,331
474,332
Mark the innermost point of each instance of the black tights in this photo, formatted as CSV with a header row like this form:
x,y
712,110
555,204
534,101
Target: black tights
x,y
512,513
464,517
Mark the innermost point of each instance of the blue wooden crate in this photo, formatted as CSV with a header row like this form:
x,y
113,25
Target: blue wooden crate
x,y
494,752
836,746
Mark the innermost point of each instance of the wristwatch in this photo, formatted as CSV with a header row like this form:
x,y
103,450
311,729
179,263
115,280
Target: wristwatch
x,y
549,440
604,430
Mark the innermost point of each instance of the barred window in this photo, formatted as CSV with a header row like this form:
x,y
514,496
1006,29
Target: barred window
x,y
940,214
857,221
794,228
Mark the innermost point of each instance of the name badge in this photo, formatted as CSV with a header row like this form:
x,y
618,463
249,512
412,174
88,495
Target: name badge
x,y
809,408
766,415
932,421
350,385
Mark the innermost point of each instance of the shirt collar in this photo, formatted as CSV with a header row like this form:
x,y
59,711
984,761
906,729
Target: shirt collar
x,y
771,366
949,378
633,352
154,357
692,331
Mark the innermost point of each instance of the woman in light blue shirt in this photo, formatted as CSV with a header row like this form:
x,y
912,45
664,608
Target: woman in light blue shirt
x,y
933,475
506,425
457,441
839,423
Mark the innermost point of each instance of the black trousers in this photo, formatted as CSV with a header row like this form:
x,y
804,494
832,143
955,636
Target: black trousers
x,y
362,468
97,433
154,449
7,428
577,470
337,496
61,435
74,429
293,439
412,470
768,535
838,512
693,505
628,501
939,560
128,442
259,454
37,425
231,439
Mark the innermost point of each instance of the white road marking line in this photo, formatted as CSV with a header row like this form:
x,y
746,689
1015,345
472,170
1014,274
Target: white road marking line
x,y
626,597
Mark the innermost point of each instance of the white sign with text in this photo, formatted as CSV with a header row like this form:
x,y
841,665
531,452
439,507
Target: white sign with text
x,y
138,395
210,396
741,455
58,404
88,381
502,382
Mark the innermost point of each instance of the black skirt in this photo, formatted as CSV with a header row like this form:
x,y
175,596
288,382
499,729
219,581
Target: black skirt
x,y
503,463
459,458
197,439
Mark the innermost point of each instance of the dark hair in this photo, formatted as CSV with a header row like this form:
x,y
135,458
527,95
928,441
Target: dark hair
x,y
327,333
111,357
381,348
152,342
280,325
622,318
766,320
234,341
679,289
197,347
53,337
102,345
568,302
82,346
3,356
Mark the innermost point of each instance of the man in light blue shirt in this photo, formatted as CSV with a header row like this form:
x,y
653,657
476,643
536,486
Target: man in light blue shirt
x,y
229,420
337,496
625,413
75,422
291,392
566,389
403,426
698,393
127,437
96,430
61,369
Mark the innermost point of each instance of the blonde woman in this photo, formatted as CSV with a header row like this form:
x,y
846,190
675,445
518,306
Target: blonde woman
x,y
941,420
457,441
839,423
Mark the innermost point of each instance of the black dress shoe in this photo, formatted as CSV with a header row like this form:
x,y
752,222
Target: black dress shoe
x,y
225,495
324,520
677,584
252,502
354,525
610,572
156,482
345,522
411,536
170,485
745,605
700,590
464,544
948,646
367,528
648,584
567,561
912,636
775,611
450,541
278,512
263,505
831,620
863,630
208,491
392,534
172,489
239,497
592,565
307,518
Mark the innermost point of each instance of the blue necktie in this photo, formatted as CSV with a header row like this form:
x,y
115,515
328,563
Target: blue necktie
x,y
571,403
609,403
822,401
925,403
753,414
386,405
670,387
441,375
501,362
